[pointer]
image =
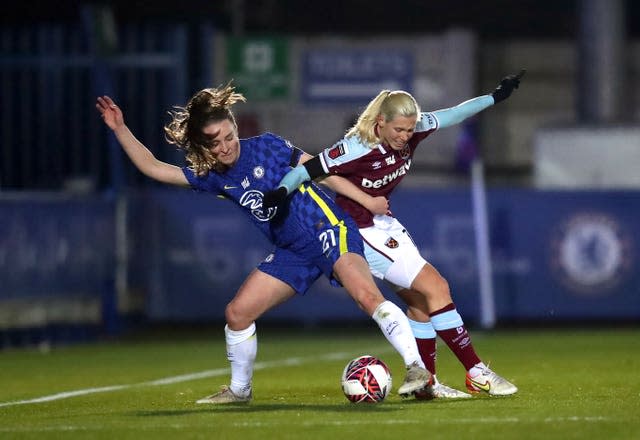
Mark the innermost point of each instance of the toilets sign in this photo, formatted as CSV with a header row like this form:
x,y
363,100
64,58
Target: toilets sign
x,y
353,76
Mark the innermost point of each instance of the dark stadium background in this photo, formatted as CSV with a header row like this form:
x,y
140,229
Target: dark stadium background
x,y
489,18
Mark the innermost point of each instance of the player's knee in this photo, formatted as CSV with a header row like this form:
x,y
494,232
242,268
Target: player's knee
x,y
235,317
431,284
230,315
440,288
368,298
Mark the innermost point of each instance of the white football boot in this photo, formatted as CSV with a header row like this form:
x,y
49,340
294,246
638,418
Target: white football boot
x,y
415,379
489,382
438,390
225,395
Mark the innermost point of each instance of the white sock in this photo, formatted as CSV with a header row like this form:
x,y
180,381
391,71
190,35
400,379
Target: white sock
x,y
242,347
395,327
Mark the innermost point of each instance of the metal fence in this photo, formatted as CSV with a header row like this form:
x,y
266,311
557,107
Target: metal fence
x,y
50,133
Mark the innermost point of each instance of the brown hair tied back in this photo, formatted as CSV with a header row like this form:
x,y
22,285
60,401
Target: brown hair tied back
x,y
185,129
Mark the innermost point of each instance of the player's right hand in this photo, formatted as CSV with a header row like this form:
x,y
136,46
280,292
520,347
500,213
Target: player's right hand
x,y
110,112
378,205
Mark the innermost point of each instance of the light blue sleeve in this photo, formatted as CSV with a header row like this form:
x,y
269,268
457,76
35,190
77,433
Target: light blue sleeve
x,y
294,178
455,115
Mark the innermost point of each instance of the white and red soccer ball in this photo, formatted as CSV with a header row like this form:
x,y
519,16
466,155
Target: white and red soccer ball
x,y
366,379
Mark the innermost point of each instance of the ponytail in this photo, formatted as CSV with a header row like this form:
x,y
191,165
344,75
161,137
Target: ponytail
x,y
365,126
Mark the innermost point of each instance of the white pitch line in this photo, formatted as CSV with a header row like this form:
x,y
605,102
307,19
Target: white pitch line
x,y
456,421
180,378
65,395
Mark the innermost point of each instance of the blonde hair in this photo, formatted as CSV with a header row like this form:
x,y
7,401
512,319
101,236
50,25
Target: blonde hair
x,y
387,104
185,128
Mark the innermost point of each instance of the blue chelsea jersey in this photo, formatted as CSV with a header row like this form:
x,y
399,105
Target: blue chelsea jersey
x,y
262,163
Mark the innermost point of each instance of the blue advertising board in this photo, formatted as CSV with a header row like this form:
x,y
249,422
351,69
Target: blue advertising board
x,y
352,76
555,255
55,247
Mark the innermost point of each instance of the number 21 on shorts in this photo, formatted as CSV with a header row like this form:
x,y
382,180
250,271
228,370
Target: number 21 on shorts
x,y
328,239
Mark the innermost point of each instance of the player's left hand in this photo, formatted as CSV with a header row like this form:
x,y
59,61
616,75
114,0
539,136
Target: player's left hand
x,y
274,198
506,86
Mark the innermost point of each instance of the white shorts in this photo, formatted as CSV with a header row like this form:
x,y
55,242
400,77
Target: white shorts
x,y
391,253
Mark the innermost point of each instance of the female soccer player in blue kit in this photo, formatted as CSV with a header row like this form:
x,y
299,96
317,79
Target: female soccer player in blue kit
x,y
312,236
374,156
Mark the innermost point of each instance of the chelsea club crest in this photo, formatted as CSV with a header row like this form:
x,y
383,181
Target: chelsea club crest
x,y
258,172
591,253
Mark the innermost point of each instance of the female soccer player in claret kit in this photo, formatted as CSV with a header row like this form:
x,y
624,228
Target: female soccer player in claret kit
x,y
312,236
374,156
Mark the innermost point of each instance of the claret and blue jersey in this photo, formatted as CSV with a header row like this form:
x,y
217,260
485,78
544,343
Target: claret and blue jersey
x,y
376,171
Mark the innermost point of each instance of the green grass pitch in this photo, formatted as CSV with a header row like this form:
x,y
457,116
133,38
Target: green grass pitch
x,y
574,384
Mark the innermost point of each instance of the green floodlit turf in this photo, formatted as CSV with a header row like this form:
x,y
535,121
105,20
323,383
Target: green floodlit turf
x,y
574,384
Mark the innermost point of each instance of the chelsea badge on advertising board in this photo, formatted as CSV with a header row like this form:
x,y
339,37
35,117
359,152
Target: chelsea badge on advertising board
x,y
591,253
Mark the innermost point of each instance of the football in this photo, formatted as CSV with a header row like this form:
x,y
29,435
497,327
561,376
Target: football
x,y
366,379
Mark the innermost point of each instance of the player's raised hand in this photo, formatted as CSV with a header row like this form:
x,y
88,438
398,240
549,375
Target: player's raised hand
x,y
110,112
506,86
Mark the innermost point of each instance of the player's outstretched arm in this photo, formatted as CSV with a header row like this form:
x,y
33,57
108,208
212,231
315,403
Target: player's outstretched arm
x,y
140,155
455,115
